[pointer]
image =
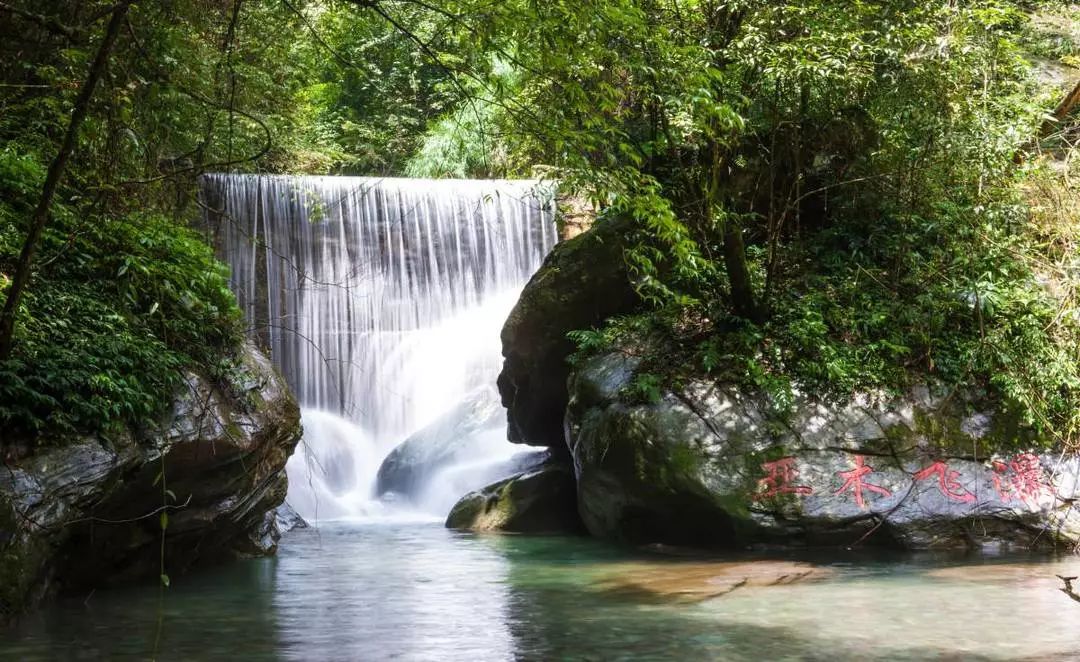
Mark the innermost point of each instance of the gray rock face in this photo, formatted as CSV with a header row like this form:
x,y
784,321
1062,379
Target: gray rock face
x,y
581,283
709,465
541,500
91,512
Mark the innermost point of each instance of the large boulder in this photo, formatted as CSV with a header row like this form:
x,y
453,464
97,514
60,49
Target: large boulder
x,y
541,500
708,464
582,282
211,474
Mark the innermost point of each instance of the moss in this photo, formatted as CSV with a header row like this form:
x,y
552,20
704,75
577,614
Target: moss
x,y
686,461
21,560
490,509
943,430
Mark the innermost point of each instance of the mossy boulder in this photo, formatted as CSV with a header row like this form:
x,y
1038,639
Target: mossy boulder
x,y
542,500
90,512
582,282
709,464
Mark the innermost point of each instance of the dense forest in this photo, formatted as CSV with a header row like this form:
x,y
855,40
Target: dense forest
x,y
831,193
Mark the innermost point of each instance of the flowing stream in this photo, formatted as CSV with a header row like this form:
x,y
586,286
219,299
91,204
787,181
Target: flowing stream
x,y
381,301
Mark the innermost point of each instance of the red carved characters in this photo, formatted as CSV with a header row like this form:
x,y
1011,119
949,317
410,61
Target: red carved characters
x,y
780,479
947,481
1020,479
853,479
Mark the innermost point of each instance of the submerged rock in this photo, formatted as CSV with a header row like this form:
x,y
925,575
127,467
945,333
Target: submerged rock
x,y
695,581
708,464
541,500
91,512
582,282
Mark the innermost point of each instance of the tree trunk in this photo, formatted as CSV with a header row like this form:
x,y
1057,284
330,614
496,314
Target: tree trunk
x,y
1071,100
52,180
738,272
1051,124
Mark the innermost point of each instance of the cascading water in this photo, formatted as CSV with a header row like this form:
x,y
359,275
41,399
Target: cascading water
x,y
381,301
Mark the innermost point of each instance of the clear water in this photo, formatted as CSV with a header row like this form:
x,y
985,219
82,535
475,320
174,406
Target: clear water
x,y
416,591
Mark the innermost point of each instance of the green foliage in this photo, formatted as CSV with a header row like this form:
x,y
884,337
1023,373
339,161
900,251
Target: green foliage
x,y
645,387
465,141
865,150
455,146
81,365
124,298
119,308
377,89
824,192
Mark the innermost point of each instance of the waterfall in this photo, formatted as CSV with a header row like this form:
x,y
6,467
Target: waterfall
x,y
381,301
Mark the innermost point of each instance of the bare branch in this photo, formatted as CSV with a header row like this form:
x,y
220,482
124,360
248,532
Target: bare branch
x,y
49,23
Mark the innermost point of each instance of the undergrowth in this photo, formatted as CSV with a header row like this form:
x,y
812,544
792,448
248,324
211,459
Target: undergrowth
x,y
119,307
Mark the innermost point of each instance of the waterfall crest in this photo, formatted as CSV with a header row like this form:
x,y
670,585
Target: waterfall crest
x,y
380,300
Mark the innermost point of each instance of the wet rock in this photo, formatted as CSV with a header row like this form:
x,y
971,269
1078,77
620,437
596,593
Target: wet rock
x,y
709,465
286,519
91,511
541,500
466,431
448,485
582,282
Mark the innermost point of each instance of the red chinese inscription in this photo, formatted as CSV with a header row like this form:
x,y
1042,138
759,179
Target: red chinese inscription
x,y
947,481
1019,479
853,480
780,479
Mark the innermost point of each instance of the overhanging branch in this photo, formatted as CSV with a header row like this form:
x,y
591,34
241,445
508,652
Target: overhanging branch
x,y
47,22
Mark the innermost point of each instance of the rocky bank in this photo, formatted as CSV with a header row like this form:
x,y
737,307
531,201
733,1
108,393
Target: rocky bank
x,y
712,464
91,511
707,464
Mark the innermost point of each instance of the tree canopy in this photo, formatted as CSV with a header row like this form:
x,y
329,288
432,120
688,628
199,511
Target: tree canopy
x,y
834,194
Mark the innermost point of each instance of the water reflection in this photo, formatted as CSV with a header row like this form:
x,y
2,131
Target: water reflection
x,y
385,592
419,592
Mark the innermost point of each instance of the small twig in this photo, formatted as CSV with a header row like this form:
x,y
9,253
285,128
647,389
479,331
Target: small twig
x,y
1068,590
133,519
